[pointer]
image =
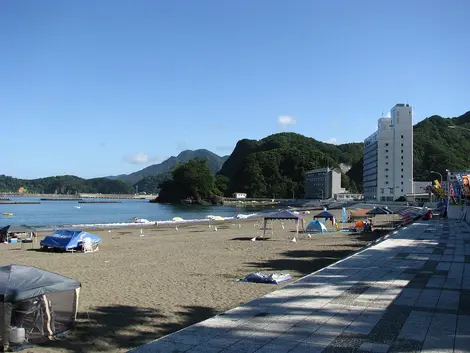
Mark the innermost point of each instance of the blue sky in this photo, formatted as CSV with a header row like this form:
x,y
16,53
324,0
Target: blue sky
x,y
91,88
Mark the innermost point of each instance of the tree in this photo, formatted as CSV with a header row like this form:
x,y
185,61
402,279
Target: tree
x,y
191,180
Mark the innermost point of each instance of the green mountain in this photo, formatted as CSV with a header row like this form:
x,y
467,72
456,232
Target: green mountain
x,y
275,166
65,184
215,163
438,147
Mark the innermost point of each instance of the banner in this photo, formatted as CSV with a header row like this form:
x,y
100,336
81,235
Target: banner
x,y
344,215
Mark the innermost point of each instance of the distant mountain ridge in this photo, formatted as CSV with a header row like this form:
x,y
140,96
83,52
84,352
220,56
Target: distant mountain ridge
x,y
215,163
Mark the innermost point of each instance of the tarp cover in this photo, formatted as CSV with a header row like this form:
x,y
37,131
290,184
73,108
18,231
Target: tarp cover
x,y
316,226
68,239
19,282
284,215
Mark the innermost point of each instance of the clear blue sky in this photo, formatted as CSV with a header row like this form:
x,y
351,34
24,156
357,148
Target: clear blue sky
x,y
87,87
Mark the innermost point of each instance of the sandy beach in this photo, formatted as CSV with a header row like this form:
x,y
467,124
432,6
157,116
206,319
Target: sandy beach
x,y
138,288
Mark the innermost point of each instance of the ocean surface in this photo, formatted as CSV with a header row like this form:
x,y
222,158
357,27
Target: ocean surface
x,y
51,214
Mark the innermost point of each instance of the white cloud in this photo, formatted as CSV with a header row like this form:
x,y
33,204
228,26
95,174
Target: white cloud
x,y
285,120
332,140
141,158
388,114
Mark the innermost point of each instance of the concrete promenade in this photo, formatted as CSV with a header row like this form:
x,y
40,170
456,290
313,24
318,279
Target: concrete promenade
x,y
408,293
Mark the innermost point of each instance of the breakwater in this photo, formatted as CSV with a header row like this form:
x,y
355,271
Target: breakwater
x,y
19,202
59,199
108,201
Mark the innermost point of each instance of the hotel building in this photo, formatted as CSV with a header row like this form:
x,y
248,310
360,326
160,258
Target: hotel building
x,y
388,157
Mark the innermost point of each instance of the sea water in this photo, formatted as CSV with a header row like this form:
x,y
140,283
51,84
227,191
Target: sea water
x,y
51,214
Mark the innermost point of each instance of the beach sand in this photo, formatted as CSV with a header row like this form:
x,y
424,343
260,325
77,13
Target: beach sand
x,y
138,288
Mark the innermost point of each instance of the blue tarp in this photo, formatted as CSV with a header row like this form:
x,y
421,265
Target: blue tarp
x,y
68,239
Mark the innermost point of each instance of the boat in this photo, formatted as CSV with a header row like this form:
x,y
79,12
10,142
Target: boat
x,y
8,214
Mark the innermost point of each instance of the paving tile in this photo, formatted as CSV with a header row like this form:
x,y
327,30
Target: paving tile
x,y
462,334
441,333
408,296
428,298
449,300
278,346
374,347
416,326
436,282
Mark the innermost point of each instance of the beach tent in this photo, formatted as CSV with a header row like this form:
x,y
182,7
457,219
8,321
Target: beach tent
x,y
316,226
68,240
285,215
6,232
359,225
324,214
36,303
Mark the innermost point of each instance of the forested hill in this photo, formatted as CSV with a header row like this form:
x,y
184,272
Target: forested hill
x,y
438,147
275,165
65,184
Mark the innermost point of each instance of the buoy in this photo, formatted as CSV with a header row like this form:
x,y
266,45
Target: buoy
x,y
253,239
215,228
294,240
309,235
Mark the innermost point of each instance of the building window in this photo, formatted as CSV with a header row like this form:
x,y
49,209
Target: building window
x,y
386,151
386,176
398,120
381,190
386,169
402,176
387,157
386,183
401,151
386,163
402,145
401,190
401,157
401,163
401,183
402,169
386,144
401,136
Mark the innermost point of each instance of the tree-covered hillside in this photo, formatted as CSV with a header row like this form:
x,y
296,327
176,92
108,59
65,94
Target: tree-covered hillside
x,y
275,166
438,147
65,184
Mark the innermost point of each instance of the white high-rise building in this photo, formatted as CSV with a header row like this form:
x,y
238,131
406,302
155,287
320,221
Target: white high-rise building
x,y
388,157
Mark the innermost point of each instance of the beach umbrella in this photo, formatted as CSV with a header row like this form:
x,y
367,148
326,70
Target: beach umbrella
x,y
177,219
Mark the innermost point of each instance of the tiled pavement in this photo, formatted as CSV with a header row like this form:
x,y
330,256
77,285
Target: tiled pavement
x,y
408,293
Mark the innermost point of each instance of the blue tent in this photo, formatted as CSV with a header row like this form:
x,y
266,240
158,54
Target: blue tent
x,y
68,239
316,226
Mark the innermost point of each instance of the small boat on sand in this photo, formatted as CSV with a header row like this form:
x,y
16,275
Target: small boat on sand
x,y
8,214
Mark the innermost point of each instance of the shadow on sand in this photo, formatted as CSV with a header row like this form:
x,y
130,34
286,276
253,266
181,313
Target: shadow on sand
x,y
121,327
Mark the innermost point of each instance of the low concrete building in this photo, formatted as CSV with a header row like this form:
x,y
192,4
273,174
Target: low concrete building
x,y
239,195
349,197
323,183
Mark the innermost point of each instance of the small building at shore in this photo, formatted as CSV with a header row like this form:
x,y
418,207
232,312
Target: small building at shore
x,y
239,195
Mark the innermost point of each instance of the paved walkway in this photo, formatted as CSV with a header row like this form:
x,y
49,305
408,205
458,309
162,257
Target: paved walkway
x,y
409,293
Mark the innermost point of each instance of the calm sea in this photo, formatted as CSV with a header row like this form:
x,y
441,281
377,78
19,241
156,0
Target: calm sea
x,y
63,213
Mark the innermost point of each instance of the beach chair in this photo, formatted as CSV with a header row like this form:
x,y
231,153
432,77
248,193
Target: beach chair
x,y
88,245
